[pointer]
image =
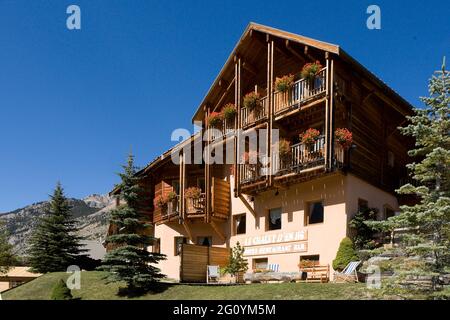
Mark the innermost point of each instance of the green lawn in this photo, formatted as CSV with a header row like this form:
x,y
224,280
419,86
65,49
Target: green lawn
x,y
94,287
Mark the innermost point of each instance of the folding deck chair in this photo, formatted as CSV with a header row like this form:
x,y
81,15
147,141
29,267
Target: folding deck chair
x,y
212,274
349,273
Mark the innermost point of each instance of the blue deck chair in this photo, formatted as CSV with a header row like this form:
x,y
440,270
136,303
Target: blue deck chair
x,y
349,273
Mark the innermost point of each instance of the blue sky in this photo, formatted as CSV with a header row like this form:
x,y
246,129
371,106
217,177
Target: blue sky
x,y
72,103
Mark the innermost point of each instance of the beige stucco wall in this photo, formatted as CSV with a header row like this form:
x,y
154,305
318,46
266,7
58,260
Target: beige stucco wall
x,y
322,239
359,189
339,194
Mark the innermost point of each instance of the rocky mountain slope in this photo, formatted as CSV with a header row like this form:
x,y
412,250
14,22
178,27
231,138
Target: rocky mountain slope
x,y
90,212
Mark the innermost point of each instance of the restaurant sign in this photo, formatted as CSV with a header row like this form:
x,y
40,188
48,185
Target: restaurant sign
x,y
278,243
276,249
276,238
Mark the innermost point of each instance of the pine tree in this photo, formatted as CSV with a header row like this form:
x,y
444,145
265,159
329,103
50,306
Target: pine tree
x,y
54,245
130,261
429,219
7,257
236,262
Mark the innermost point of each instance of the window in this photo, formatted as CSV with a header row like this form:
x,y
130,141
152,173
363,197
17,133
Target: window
x,y
274,222
261,264
363,205
156,245
204,241
178,241
312,260
240,224
176,186
388,212
315,213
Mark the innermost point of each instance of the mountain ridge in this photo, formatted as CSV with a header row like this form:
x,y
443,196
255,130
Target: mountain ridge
x,y
91,213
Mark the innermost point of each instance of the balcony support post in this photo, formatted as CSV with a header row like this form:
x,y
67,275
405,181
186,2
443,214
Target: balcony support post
x,y
269,170
237,138
330,73
327,117
207,165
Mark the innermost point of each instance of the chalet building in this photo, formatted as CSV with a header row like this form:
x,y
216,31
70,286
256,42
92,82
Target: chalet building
x,y
299,206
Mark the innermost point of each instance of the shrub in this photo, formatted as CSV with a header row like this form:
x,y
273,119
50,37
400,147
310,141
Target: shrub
x,y
346,253
215,119
251,100
364,233
310,136
193,192
344,137
310,70
61,292
229,111
284,83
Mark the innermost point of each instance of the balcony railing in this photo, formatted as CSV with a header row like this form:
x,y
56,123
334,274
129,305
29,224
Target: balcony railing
x,y
224,129
302,157
195,206
260,112
250,173
172,209
300,92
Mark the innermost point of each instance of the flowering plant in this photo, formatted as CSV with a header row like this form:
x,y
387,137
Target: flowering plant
x,y
310,70
193,192
284,83
214,119
229,111
310,136
171,196
251,100
344,137
161,201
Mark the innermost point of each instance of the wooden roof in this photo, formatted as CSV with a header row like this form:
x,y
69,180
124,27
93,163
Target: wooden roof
x,y
228,67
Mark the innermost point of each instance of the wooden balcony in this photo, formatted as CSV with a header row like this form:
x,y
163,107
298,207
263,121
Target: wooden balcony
x,y
300,93
302,158
196,207
258,114
225,129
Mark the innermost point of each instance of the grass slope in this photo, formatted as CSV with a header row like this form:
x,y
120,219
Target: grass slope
x,y
94,287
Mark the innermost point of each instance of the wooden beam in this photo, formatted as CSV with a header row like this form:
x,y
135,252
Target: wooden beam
x,y
218,231
249,207
188,231
249,67
295,53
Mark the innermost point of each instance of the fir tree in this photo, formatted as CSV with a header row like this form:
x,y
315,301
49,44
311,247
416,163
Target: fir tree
x,y
54,245
428,220
7,257
129,260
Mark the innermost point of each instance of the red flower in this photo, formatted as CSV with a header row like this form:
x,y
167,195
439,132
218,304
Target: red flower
x,y
344,137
